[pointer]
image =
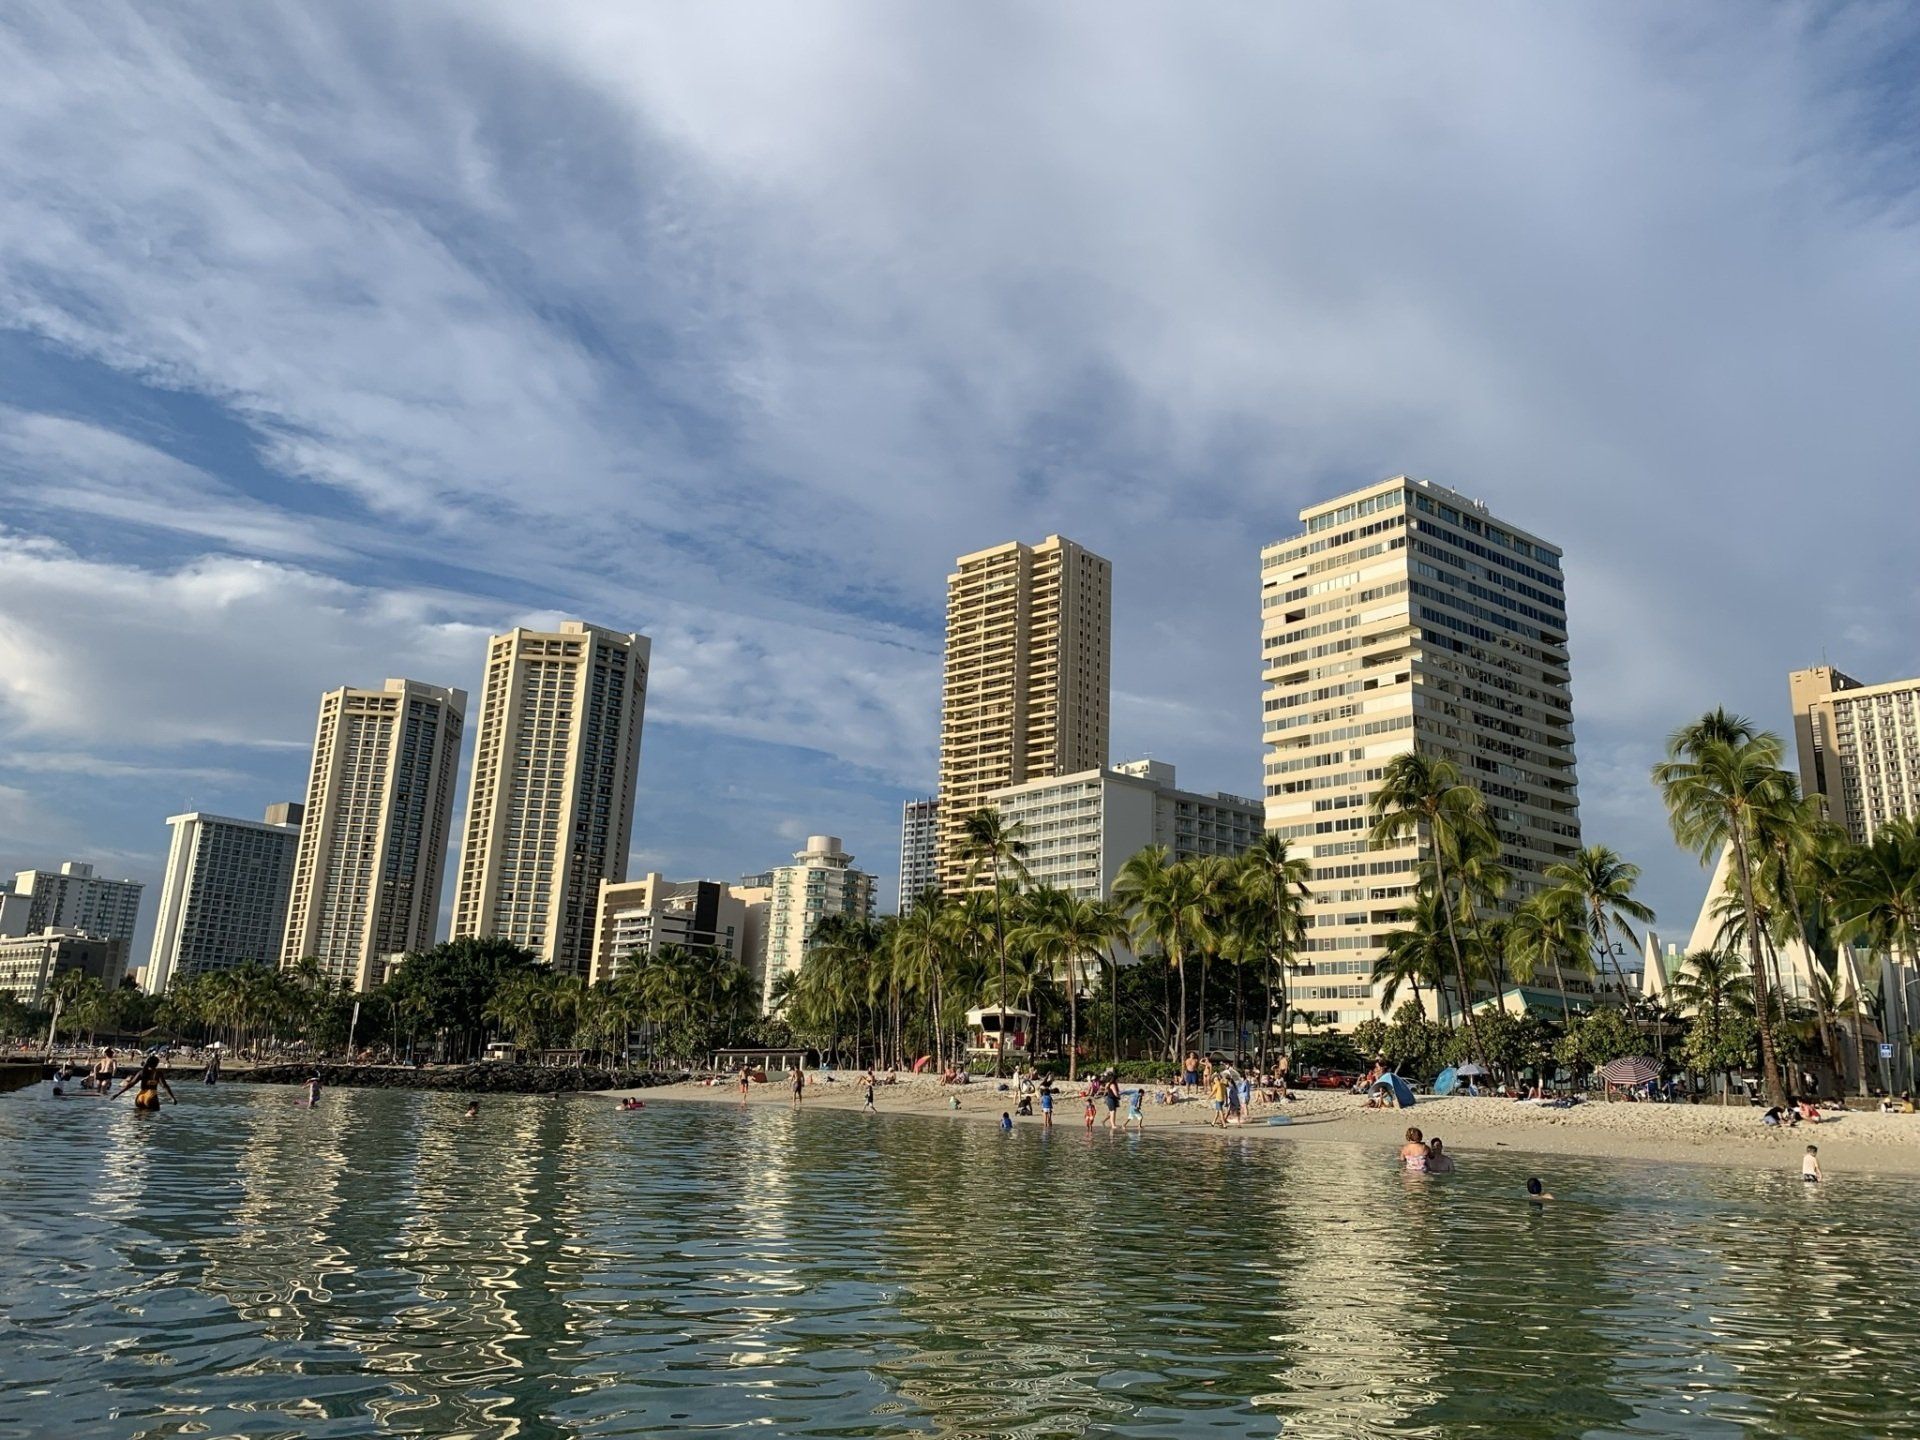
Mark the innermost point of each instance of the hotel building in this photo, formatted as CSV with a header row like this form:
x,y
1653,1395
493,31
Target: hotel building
x,y
1080,829
1859,747
639,916
919,848
550,806
1406,616
820,882
224,899
74,898
375,826
1025,688
29,964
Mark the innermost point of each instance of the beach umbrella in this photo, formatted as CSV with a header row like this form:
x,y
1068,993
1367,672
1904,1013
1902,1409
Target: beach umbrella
x,y
1468,1071
1444,1082
1636,1070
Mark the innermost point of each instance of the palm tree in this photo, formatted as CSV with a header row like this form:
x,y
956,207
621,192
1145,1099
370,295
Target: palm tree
x,y
1159,897
993,844
1879,900
1422,797
1216,891
1599,885
1276,884
1414,954
1065,933
921,945
1708,984
1714,788
1546,931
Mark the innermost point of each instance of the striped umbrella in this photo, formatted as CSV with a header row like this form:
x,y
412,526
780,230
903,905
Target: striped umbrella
x,y
1637,1070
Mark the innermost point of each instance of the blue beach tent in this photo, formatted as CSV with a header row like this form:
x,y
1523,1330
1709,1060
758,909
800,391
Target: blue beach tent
x,y
1444,1082
1402,1091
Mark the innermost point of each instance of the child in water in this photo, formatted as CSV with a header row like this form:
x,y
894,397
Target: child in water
x,y
1536,1193
1006,1123
1810,1165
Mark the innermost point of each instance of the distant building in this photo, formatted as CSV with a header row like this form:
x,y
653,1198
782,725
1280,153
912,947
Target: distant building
x,y
224,900
755,894
550,806
74,898
637,917
1859,747
29,964
919,850
375,827
16,912
1025,688
820,882
1080,829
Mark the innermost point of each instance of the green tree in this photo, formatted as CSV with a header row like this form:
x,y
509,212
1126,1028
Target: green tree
x,y
993,845
1276,890
1165,910
1415,953
446,990
1598,884
1714,787
1422,797
1879,902
1070,935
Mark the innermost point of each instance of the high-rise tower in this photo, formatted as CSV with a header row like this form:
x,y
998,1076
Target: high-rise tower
x,y
224,901
375,827
1028,671
1859,747
550,807
1405,616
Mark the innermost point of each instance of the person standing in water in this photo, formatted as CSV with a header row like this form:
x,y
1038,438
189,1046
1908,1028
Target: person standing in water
x,y
1046,1105
1810,1165
106,1072
799,1084
212,1076
746,1082
313,1090
867,1086
147,1082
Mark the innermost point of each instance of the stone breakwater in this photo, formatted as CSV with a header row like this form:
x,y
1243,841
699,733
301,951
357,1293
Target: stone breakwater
x,y
484,1079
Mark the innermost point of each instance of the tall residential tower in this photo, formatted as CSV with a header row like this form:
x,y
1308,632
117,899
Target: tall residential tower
x,y
550,807
1405,616
374,832
1028,670
919,844
224,901
1859,747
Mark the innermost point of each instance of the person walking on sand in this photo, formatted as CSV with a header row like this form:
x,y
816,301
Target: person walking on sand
x,y
1219,1101
867,1086
147,1082
1810,1166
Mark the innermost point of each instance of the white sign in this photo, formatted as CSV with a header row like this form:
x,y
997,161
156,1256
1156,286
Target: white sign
x,y
1886,1051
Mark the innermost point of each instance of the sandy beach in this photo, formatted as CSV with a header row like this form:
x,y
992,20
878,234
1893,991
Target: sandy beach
x,y
1709,1134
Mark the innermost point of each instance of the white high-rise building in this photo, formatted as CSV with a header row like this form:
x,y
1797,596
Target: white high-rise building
x,y
375,827
74,898
550,808
1406,616
820,882
1080,829
919,850
224,900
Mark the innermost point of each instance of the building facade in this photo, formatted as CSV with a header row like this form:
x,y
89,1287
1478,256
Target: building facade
x,y
373,836
919,847
755,894
550,804
1027,674
1405,616
820,882
1080,829
1859,747
639,916
29,964
224,900
74,898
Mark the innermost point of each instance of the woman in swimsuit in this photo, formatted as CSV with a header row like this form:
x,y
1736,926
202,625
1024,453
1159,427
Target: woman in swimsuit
x,y
147,1082
1413,1154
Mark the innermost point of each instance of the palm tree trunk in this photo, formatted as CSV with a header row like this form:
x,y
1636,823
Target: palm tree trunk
x,y
1000,940
1180,1034
1239,1011
1769,1062
1073,1017
1266,1030
1859,1038
1459,961
1200,1021
1113,965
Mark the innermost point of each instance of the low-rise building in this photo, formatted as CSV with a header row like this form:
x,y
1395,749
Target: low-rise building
x,y
639,916
29,964
1080,829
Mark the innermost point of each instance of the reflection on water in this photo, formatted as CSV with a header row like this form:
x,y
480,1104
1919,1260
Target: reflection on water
x,y
240,1265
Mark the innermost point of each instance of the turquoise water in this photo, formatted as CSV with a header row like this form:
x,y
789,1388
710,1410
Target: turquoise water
x,y
239,1265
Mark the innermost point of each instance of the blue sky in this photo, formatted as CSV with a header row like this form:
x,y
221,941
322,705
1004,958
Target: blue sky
x,y
334,338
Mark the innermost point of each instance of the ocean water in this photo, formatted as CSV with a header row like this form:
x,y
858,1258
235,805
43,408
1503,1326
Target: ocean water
x,y
240,1266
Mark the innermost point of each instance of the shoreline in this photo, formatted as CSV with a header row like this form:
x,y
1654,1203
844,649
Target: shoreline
x,y
1853,1142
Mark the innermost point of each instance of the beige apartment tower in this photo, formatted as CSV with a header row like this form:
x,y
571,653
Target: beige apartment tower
x,y
375,827
550,806
1405,616
1028,671
1859,747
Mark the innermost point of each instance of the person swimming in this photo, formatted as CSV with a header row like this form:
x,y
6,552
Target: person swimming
x,y
1536,1192
147,1082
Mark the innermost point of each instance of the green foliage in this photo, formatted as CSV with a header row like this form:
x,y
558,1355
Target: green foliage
x,y
446,991
1593,1040
1415,1046
1513,1043
1732,1044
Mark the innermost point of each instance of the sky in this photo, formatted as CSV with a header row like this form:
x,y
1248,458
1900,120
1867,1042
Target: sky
x,y
335,338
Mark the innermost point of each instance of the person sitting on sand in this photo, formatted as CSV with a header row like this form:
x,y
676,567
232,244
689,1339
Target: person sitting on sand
x,y
1438,1161
1413,1154
1536,1192
1809,1112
